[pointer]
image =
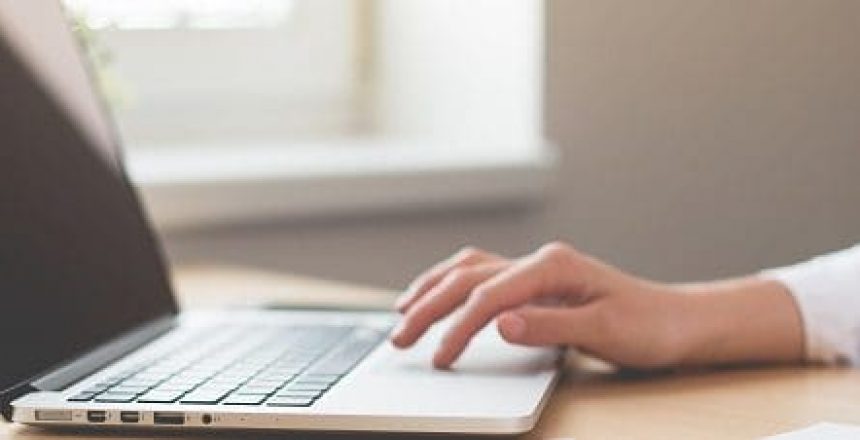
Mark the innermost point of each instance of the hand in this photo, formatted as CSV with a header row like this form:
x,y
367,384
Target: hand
x,y
559,296
555,296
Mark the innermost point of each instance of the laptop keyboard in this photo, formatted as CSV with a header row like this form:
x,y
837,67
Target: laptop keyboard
x,y
284,366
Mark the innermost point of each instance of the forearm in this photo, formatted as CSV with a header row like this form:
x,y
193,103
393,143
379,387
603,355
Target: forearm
x,y
747,320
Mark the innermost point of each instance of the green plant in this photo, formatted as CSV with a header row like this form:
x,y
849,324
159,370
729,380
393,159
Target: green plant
x,y
115,91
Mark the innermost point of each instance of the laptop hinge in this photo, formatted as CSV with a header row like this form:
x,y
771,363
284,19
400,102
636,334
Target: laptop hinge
x,y
7,396
59,378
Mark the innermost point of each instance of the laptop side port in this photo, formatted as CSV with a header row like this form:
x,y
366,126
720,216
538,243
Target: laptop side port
x,y
129,416
50,415
168,418
96,416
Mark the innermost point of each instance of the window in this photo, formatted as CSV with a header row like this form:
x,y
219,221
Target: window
x,y
182,14
237,109
204,70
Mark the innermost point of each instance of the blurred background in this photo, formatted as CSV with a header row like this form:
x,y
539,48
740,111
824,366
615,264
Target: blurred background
x,y
363,140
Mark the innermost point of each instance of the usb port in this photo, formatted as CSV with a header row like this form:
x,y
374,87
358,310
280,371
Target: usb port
x,y
129,416
96,416
168,418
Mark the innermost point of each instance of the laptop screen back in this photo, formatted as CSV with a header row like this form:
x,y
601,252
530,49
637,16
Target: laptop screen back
x,y
79,264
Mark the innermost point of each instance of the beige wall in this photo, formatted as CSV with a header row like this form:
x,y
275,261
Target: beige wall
x,y
699,139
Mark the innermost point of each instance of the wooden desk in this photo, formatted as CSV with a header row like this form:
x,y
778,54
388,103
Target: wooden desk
x,y
742,404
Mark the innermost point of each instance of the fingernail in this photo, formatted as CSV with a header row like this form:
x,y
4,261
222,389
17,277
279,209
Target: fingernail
x,y
440,361
399,303
512,325
396,336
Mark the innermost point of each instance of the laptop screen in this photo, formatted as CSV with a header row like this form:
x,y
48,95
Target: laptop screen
x,y
79,263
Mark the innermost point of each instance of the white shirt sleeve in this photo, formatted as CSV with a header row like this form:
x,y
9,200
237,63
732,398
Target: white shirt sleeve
x,y
827,291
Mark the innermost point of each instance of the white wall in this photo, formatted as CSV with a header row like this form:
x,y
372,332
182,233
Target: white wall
x,y
462,71
700,139
707,137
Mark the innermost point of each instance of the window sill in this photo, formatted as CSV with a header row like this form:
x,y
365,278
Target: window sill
x,y
188,186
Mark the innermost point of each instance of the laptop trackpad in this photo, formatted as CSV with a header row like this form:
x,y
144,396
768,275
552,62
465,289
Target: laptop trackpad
x,y
492,379
487,355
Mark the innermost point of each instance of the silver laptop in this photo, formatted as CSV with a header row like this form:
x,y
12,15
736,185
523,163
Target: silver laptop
x,y
91,333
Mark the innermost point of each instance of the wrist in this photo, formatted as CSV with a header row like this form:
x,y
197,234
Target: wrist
x,y
687,332
694,330
747,320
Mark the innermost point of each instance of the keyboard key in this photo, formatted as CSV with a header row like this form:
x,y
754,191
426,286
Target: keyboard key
x,y
146,377
290,401
193,375
165,369
128,389
297,386
225,378
95,389
160,397
299,394
139,383
257,389
213,389
264,383
231,374
310,377
116,378
244,399
290,367
116,397
306,381
184,381
81,397
172,387
276,377
199,398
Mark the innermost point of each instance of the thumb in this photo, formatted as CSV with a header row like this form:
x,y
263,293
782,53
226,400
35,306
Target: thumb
x,y
537,325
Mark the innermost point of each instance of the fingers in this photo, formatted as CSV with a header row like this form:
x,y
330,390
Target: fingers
x,y
539,326
441,300
553,269
423,283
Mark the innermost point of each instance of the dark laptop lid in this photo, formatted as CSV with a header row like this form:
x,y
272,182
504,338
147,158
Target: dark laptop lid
x,y
79,264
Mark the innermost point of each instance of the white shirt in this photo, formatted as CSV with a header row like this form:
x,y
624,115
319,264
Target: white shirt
x,y
827,291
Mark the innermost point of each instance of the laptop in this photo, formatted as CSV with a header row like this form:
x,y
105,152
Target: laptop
x,y
91,332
